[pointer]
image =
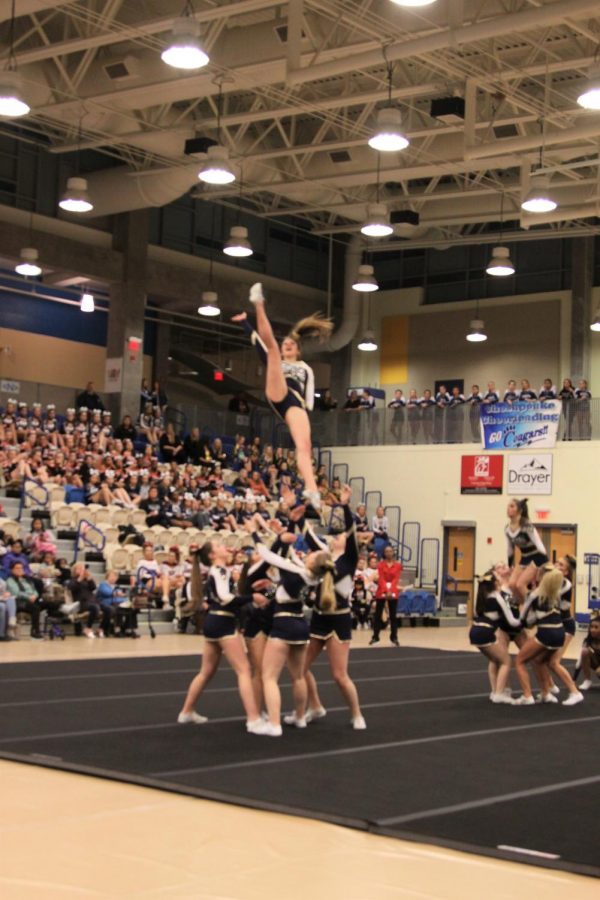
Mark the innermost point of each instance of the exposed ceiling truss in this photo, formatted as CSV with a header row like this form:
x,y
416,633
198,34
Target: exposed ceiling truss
x,y
302,82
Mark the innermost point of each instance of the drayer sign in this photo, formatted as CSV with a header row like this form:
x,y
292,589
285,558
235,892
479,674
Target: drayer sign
x,y
481,474
512,426
530,474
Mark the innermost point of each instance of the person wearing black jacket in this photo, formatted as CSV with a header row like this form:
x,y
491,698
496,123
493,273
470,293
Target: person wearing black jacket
x,y
82,588
126,430
89,398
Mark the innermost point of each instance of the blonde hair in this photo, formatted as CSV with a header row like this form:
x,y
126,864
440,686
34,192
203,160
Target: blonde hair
x,y
549,589
323,566
316,326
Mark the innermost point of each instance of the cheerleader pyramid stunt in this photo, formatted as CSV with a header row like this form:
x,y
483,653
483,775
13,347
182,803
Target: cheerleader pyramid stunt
x,y
290,383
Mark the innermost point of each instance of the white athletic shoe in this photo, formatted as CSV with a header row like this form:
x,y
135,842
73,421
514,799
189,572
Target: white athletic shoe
x,y
313,498
358,723
555,689
507,691
191,718
573,699
312,714
585,685
256,726
256,293
524,701
549,698
501,698
292,719
271,730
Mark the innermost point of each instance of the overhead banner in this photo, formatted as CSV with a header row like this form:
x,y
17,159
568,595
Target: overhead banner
x,y
481,474
530,474
520,425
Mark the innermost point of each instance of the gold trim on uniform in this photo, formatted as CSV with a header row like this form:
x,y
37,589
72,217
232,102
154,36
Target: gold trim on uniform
x,y
326,637
219,612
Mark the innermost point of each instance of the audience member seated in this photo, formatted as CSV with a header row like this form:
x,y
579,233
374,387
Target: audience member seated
x,y
116,607
126,430
171,446
8,614
148,576
27,596
82,588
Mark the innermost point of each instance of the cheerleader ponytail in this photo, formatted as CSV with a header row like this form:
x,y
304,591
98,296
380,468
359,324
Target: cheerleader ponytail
x,y
324,567
315,326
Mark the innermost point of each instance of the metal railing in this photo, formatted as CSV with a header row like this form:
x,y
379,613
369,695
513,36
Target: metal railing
x,y
84,538
38,494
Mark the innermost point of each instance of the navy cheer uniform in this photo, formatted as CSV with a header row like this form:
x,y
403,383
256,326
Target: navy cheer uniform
x,y
511,630
529,543
289,624
259,619
338,622
219,622
299,378
496,611
566,596
550,631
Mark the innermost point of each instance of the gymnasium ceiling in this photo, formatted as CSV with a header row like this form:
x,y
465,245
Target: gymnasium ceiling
x,y
299,103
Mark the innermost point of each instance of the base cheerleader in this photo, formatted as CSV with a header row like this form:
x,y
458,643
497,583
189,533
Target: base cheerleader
x,y
492,608
221,637
289,386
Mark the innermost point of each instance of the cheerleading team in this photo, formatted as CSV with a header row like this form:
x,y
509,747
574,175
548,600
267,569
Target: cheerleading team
x,y
288,639
289,386
331,623
221,637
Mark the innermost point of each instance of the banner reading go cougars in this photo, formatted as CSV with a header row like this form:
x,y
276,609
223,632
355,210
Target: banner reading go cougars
x,y
512,426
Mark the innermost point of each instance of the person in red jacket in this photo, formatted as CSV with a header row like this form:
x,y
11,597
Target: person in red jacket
x,y
388,589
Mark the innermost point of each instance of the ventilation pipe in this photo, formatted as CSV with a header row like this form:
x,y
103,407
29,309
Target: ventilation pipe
x,y
352,304
121,190
507,23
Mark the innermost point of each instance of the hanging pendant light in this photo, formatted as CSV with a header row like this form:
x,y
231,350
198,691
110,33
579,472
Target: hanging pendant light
x,y
365,281
377,222
29,264
595,326
87,303
500,264
590,96
539,198
185,50
238,244
76,198
388,135
216,168
414,3
209,305
12,100
476,331
368,343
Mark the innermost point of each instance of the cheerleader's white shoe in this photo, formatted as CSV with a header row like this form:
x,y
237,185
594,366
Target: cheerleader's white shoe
x,y
358,723
312,714
292,719
256,293
313,498
585,685
191,718
501,698
524,701
549,698
555,689
256,726
573,699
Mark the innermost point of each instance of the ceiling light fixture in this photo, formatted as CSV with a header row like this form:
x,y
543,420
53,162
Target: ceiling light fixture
x,y
12,102
500,265
590,96
216,168
238,244
365,280
29,264
539,198
414,3
209,305
185,50
377,223
595,326
388,135
368,344
476,331
87,303
76,198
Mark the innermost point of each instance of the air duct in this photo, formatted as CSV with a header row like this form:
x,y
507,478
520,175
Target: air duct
x,y
352,302
121,190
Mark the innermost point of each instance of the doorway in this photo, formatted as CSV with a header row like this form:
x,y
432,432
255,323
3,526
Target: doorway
x,y
459,566
559,540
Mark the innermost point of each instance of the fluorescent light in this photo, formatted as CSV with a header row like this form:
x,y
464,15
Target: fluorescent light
x,y
210,304
216,168
184,50
388,134
590,96
368,343
238,243
87,303
500,264
377,224
595,326
414,3
76,198
365,280
29,266
477,332
12,102
538,199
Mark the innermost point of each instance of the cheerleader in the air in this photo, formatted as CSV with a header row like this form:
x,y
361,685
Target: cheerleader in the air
x,y
331,623
290,382
521,534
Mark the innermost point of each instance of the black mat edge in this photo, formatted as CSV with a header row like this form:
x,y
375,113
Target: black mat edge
x,y
281,809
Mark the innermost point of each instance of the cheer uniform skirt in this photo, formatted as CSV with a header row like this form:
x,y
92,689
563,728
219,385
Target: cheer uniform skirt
x,y
218,626
550,636
258,621
327,625
280,407
536,557
569,625
482,634
289,627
